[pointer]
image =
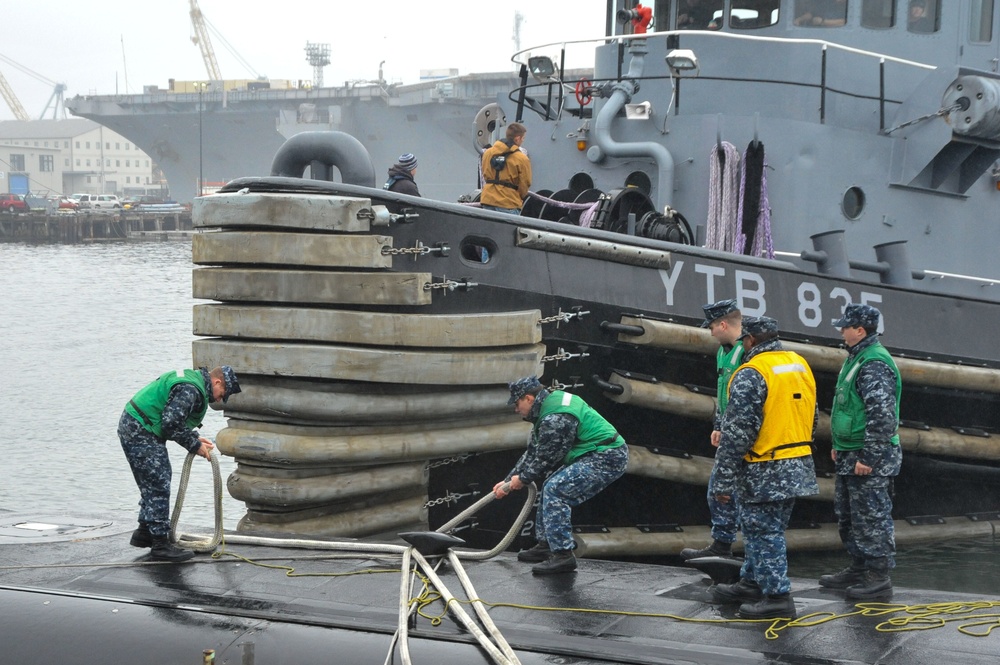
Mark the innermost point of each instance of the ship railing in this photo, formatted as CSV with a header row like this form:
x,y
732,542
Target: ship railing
x,y
556,87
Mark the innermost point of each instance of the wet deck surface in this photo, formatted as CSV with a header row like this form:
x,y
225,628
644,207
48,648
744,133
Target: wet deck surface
x,y
238,609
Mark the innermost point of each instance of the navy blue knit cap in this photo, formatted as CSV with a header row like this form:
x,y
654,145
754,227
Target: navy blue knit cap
x,y
407,162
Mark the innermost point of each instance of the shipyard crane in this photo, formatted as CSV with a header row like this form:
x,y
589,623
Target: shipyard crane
x,y
55,100
12,101
204,43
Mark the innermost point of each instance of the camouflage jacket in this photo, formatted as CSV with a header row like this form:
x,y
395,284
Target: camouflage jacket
x,y
756,482
876,383
556,434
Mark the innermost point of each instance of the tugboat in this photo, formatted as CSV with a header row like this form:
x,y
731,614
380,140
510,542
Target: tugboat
x,y
796,161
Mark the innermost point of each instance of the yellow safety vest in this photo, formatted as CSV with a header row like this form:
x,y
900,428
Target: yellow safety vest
x,y
789,409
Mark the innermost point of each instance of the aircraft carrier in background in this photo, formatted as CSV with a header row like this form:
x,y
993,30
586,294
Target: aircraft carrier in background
x,y
219,133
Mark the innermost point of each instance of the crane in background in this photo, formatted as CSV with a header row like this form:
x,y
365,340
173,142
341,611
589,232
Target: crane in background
x,y
204,43
12,101
55,99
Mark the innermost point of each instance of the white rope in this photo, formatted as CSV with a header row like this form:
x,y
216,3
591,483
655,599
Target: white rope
x,y
723,197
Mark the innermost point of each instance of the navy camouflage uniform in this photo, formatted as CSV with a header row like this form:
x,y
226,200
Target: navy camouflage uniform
x,y
147,454
766,490
567,486
863,504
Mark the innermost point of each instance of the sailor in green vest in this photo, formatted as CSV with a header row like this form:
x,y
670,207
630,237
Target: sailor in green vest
x,y
575,451
866,453
724,321
171,407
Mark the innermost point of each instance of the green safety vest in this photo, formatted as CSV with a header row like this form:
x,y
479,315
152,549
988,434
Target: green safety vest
x,y
847,419
593,434
147,405
727,362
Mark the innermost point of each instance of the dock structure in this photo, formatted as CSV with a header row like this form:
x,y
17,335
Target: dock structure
x,y
96,226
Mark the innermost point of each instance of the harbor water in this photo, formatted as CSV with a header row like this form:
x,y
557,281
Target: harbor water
x,y
85,326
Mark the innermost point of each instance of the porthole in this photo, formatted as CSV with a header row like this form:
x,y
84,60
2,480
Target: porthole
x,y
854,203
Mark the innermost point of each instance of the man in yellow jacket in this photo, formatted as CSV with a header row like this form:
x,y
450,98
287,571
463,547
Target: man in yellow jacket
x,y
506,172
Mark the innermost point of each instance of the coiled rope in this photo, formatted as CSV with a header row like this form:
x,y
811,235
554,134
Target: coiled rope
x,y
754,235
723,197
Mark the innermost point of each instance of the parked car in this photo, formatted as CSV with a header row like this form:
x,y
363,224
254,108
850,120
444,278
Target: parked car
x,y
66,203
144,199
98,201
12,203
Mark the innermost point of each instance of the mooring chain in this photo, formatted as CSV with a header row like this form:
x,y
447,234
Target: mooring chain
x,y
449,284
940,112
448,460
450,497
420,249
563,354
562,317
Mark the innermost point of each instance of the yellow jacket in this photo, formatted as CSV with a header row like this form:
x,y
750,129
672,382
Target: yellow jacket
x,y
515,178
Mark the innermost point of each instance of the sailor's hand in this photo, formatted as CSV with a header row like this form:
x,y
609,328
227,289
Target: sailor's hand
x,y
501,489
862,469
716,438
515,483
205,449
833,455
722,498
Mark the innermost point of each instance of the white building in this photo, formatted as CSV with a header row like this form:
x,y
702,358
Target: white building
x,y
47,157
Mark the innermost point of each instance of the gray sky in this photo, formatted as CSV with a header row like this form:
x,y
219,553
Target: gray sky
x,y
109,46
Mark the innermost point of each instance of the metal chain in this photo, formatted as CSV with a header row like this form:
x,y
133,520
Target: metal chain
x,y
420,249
556,385
564,355
938,113
450,497
448,460
561,317
449,284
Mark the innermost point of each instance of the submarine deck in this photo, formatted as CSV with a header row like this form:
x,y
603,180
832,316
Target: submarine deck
x,y
81,594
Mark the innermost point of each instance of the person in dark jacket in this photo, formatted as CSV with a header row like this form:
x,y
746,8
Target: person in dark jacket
x,y
575,451
171,407
864,423
765,459
401,176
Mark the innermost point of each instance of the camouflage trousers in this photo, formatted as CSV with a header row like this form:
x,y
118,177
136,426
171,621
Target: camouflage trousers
x,y
725,516
763,525
147,455
569,487
863,505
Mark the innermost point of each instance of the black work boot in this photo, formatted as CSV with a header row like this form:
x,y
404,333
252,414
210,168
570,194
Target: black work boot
x,y
559,561
141,537
853,574
743,591
717,548
164,550
779,606
536,554
875,584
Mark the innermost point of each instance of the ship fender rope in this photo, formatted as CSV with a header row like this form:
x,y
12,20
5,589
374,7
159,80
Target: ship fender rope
x,y
723,197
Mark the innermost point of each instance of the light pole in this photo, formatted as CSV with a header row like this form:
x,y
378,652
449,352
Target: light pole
x,y
201,176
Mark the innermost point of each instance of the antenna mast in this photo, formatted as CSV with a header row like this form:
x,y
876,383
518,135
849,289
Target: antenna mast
x,y
317,55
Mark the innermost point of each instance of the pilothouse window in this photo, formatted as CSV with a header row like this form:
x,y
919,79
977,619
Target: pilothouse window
x,y
878,14
750,14
981,21
923,16
820,13
699,14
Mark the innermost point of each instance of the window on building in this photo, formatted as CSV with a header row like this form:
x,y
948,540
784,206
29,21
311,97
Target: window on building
x,y
66,162
128,163
107,145
128,146
107,162
750,14
17,162
128,180
981,21
820,13
46,163
118,145
88,145
88,162
118,162
923,16
77,161
147,163
88,180
878,14
46,144
77,145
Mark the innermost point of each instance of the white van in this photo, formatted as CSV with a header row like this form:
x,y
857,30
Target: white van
x,y
93,201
